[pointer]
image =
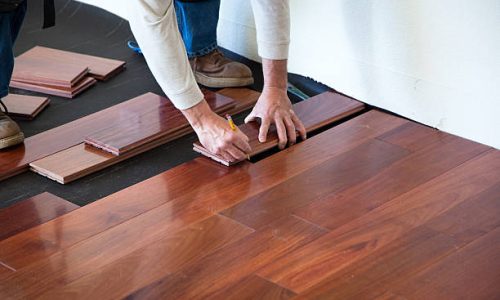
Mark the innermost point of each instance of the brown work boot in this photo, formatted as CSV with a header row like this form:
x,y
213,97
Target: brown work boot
x,y
10,133
216,71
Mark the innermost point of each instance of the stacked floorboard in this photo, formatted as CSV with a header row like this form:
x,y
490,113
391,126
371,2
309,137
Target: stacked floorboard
x,y
24,106
375,207
61,73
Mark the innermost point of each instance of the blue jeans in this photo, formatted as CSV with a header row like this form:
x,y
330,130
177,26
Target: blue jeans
x,y
10,24
198,25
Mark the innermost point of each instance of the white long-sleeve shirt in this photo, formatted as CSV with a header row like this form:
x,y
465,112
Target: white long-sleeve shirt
x,y
154,25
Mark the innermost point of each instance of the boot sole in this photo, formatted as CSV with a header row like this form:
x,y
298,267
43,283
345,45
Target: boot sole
x,y
214,82
12,140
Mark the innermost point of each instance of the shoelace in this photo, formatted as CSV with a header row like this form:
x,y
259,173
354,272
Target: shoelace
x,y
5,110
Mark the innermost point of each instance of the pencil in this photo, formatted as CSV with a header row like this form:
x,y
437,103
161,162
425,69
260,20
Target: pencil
x,y
231,123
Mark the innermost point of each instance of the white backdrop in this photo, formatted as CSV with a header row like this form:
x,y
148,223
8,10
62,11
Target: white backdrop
x,y
436,62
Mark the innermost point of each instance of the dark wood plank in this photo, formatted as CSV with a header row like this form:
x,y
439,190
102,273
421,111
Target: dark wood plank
x,y
16,160
148,124
254,287
413,136
472,272
233,263
5,269
315,113
245,98
373,276
31,212
331,177
200,183
128,251
357,239
438,156
72,92
25,106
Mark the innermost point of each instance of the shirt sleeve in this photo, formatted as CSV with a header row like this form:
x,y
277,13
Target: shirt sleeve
x,y
272,20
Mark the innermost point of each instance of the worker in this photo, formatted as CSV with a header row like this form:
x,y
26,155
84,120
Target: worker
x,y
154,25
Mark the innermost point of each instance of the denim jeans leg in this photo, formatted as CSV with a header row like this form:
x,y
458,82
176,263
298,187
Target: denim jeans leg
x,y
10,25
198,25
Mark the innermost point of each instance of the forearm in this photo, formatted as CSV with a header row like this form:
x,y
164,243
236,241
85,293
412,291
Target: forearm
x,y
275,73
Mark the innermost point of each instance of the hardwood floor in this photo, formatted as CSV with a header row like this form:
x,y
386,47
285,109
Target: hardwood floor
x,y
376,207
24,106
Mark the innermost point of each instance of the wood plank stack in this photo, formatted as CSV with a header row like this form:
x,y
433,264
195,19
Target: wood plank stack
x,y
316,112
24,106
376,207
61,73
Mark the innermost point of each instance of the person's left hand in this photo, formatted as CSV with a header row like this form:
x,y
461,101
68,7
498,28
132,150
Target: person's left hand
x,y
274,107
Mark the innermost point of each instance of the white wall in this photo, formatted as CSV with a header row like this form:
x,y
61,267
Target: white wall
x,y
436,62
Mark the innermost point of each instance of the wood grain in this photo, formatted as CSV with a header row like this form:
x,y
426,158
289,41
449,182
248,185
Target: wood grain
x,y
245,98
152,258
233,263
24,106
357,239
72,92
99,67
16,160
436,156
254,287
31,212
156,121
315,113
331,177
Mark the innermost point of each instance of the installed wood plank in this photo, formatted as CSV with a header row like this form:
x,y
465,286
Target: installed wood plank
x,y
472,272
157,253
72,92
31,212
254,287
315,113
331,177
143,126
201,183
233,263
24,106
413,136
357,239
16,160
438,156
373,276
245,98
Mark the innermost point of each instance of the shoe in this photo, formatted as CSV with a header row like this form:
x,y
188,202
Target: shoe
x,y
216,71
10,133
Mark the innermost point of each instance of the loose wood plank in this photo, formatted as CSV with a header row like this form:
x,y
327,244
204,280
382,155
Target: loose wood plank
x,y
331,177
16,160
315,113
149,124
470,273
436,156
201,183
24,106
128,249
31,212
357,239
71,92
245,98
233,263
99,67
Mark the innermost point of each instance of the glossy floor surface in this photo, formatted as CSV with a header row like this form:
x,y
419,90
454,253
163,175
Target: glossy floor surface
x,y
376,207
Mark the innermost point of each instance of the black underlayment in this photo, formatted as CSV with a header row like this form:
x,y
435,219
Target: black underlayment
x,y
86,29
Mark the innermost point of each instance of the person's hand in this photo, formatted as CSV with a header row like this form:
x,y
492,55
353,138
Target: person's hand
x,y
216,135
274,107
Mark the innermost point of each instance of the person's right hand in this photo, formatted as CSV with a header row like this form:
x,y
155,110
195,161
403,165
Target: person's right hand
x,y
216,135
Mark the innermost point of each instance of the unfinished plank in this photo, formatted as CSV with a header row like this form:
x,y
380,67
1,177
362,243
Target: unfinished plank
x,y
232,263
71,92
358,239
331,177
24,106
31,212
16,160
315,113
99,67
201,183
148,124
435,157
